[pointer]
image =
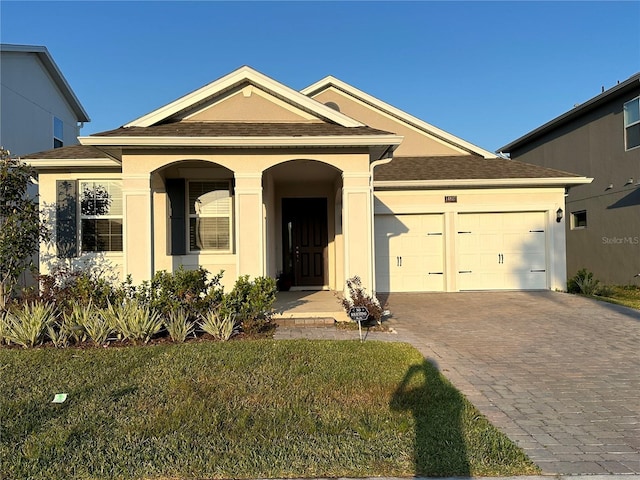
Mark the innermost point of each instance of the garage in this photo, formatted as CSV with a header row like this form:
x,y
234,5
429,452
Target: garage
x,y
502,251
409,253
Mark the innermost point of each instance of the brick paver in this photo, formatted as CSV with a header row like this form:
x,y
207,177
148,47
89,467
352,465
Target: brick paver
x,y
559,374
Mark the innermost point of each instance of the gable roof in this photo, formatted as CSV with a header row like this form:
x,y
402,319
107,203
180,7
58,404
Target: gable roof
x,y
628,85
56,75
415,122
467,170
242,75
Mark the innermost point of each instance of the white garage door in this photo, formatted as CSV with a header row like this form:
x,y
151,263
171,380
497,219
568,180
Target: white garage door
x,y
409,253
502,251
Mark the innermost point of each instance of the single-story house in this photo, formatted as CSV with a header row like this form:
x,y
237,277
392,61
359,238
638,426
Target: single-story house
x,y
249,176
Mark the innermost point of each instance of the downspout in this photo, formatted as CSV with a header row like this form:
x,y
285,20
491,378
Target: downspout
x,y
386,157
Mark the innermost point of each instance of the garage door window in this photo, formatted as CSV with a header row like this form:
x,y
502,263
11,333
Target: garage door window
x,y
579,220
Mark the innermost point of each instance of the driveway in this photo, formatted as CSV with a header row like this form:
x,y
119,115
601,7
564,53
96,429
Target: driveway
x,y
559,374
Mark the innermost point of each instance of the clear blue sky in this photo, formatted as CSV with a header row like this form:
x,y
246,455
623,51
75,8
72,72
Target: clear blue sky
x,y
488,72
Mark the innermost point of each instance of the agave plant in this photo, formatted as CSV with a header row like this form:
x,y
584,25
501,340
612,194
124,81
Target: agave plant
x,y
178,325
220,326
26,326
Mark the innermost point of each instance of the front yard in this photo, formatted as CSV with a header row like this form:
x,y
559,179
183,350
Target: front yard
x,y
250,409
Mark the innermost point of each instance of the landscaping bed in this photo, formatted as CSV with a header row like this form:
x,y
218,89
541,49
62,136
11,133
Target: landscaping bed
x,y
250,409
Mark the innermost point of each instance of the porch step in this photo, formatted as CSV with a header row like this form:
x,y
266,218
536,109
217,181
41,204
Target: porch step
x,y
305,322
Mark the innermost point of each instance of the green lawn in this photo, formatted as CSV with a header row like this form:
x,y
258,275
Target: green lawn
x,y
243,409
629,296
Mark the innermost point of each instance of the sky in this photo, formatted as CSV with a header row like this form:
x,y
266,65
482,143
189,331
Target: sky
x,y
487,72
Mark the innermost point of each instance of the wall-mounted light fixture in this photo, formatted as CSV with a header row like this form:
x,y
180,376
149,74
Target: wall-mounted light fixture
x,y
609,187
559,214
629,182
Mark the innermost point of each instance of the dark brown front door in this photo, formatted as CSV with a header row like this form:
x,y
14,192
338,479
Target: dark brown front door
x,y
304,238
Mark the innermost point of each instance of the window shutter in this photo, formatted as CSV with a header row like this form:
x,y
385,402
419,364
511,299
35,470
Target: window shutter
x,y
176,194
67,218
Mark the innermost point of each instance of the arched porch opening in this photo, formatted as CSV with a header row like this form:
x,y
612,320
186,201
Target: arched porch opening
x,y
194,217
302,224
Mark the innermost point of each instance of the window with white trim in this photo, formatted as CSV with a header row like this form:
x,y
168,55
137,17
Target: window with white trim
x,y
210,216
579,220
58,133
632,123
101,215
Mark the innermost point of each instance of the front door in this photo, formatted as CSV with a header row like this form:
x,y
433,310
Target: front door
x,y
304,239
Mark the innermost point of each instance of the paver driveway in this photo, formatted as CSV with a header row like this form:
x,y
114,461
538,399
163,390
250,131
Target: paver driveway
x,y
559,374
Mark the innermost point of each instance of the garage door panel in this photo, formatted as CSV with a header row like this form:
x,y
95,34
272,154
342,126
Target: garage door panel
x,y
502,251
409,253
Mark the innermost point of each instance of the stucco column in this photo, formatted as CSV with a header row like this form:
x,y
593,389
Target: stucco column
x,y
357,227
249,219
138,226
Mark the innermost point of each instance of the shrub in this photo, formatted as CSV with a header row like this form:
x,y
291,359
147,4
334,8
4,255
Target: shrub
x,y
220,326
133,321
584,283
178,325
192,290
251,303
27,324
96,323
358,297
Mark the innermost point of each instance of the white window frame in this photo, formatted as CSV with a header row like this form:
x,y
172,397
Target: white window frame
x,y
59,138
229,216
632,124
109,216
574,222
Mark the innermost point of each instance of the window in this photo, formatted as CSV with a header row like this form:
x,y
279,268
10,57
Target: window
x,y
210,215
579,219
632,123
101,215
57,133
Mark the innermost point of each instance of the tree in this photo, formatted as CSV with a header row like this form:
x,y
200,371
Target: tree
x,y
21,229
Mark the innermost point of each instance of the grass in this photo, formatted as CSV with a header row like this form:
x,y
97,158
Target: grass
x,y
250,409
628,295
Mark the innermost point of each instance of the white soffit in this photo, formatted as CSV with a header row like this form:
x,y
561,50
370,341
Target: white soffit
x,y
410,120
482,182
244,74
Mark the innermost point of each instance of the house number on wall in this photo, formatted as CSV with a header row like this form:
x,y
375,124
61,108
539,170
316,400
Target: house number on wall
x,y
450,199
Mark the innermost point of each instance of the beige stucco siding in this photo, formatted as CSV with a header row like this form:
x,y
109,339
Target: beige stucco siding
x,y
249,104
416,142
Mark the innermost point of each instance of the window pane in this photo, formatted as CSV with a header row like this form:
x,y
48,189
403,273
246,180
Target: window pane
x,y
633,136
209,198
58,129
632,112
101,235
100,198
209,233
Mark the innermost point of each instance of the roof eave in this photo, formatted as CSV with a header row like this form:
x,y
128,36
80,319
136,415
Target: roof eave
x,y
583,108
56,75
76,163
244,73
484,182
253,141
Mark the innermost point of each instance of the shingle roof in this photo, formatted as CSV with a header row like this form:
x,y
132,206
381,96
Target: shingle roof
x,y
237,129
71,152
459,168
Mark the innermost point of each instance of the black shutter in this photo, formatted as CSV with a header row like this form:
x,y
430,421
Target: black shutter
x,y
176,192
67,218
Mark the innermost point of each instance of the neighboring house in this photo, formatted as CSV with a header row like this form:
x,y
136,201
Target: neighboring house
x,y
249,176
601,139
38,109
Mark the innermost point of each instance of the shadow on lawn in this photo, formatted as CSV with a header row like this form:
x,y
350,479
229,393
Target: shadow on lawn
x,y
437,408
